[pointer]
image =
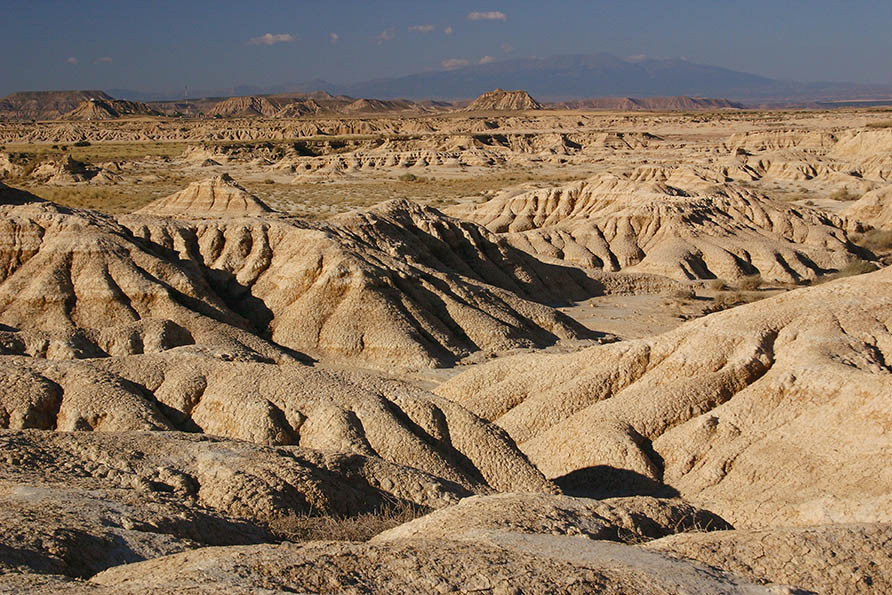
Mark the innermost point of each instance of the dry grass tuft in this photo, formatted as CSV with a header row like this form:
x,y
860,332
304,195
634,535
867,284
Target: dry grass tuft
x,y
360,527
857,267
750,283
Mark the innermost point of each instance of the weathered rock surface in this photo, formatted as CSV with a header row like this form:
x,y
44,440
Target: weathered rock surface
x,y
614,223
773,412
824,559
874,209
397,285
629,520
496,562
265,404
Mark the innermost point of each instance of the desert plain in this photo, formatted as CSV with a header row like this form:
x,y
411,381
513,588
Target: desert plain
x,y
343,345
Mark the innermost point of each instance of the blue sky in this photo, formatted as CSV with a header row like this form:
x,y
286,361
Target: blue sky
x,y
164,45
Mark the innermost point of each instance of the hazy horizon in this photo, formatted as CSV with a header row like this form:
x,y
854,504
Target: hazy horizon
x,y
166,46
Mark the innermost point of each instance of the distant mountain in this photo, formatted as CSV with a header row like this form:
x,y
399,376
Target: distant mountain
x,y
603,75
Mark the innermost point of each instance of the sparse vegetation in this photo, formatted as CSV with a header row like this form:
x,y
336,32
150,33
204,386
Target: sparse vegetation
x,y
857,267
880,124
410,178
750,283
877,241
844,195
716,284
82,143
360,527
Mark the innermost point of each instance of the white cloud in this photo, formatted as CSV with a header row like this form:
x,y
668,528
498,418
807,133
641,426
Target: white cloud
x,y
71,60
333,37
492,15
507,48
421,28
272,39
386,35
487,59
103,60
453,63
448,30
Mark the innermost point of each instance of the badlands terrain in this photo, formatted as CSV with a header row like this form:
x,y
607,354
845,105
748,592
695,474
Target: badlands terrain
x,y
323,345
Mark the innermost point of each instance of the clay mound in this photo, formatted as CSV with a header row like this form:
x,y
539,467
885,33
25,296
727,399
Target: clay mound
x,y
244,107
770,412
501,100
491,563
824,559
699,231
77,284
874,209
108,109
397,286
219,196
629,520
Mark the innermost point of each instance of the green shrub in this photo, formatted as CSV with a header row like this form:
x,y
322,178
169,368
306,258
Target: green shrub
x,y
82,143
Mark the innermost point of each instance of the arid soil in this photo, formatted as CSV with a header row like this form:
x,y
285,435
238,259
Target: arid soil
x,y
507,349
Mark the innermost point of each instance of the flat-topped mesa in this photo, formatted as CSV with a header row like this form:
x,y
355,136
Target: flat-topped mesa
x,y
502,100
219,196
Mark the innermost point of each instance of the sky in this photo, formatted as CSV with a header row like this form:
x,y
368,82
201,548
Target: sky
x,y
164,46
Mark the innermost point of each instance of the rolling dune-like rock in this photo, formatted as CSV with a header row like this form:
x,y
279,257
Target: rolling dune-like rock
x,y
613,223
194,390
773,412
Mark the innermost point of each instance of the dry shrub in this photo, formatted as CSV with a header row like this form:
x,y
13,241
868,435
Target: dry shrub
x,y
875,240
844,195
856,267
360,527
750,283
716,284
